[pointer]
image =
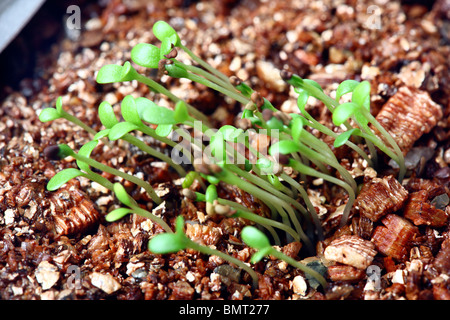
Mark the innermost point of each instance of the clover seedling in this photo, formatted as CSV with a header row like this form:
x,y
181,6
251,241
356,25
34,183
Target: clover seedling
x,y
258,240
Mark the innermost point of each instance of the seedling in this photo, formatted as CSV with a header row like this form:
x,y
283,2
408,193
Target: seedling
x,y
259,241
231,157
173,242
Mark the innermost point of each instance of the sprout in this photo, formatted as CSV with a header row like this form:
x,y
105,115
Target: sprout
x,y
232,158
173,242
258,240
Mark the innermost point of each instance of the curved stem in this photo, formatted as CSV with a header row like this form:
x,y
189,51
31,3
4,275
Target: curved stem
x,y
161,89
213,252
311,172
146,186
308,203
144,147
400,159
279,255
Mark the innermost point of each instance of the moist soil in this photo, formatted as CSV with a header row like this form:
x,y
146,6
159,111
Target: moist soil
x,y
391,44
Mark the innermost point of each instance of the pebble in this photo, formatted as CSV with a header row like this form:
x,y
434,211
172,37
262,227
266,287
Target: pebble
x,y
105,282
299,285
46,274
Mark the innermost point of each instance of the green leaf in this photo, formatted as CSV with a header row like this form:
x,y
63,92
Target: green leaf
x,y
49,114
65,151
130,111
275,181
295,81
117,214
181,113
211,193
302,99
344,111
146,55
166,243
255,238
101,134
265,165
259,255
344,87
268,105
313,83
245,89
231,133
162,30
123,195
115,73
275,124
343,137
152,113
189,179
166,46
121,129
217,147
107,115
128,72
297,128
109,74
59,105
361,93
62,177
163,130
179,225
85,151
284,147
176,71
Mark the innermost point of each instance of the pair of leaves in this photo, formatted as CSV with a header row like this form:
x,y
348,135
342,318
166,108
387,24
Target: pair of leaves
x,y
50,114
170,242
115,73
149,55
134,111
360,99
62,177
125,199
257,240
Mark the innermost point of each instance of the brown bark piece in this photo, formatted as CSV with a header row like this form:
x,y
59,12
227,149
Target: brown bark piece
x,y
409,114
345,273
420,212
380,197
394,238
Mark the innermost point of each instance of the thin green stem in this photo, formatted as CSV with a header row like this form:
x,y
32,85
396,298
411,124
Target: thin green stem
x,y
146,214
144,147
161,89
78,122
311,172
279,255
400,159
308,203
204,64
213,252
146,186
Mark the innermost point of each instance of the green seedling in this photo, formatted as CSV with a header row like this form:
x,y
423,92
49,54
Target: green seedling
x,y
259,241
173,242
359,109
232,158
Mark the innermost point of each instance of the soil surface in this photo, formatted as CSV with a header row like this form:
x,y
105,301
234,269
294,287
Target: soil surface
x,y
57,245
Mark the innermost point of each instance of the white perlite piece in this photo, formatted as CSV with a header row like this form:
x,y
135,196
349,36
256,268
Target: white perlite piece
x,y
46,274
106,282
351,250
299,285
